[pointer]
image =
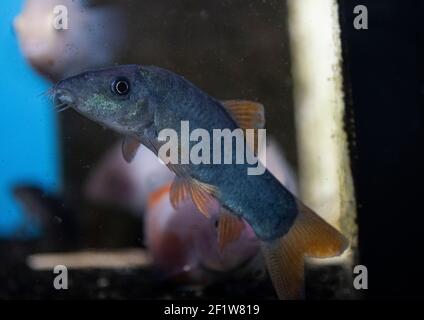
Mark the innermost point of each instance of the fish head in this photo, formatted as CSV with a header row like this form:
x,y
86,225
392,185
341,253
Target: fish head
x,y
114,97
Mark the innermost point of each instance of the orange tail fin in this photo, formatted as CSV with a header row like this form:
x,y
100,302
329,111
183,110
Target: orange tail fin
x,y
309,236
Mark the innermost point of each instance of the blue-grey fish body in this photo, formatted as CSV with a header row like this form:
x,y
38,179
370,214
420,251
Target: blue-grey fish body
x,y
140,102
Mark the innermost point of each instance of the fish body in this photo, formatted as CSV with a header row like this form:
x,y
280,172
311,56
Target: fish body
x,y
141,102
168,99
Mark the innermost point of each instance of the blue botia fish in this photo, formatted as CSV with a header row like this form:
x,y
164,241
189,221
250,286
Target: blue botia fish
x,y
139,102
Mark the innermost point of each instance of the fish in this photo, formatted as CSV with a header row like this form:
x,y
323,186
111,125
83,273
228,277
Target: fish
x,y
140,102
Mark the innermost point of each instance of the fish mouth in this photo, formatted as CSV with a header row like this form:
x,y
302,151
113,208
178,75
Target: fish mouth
x,y
63,99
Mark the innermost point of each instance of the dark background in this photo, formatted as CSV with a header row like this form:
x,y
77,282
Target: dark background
x,y
384,81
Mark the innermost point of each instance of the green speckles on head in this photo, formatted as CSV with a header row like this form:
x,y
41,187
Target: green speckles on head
x,y
101,105
119,113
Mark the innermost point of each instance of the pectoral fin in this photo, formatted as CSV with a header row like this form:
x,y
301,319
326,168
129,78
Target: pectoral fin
x,y
200,193
129,148
230,228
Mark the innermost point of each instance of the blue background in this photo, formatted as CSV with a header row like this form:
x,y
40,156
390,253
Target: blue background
x,y
28,126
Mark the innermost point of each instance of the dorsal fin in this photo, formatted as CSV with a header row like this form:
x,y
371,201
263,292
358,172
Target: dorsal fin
x,y
200,193
247,114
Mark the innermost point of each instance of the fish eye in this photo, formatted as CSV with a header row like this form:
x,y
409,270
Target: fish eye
x,y
120,86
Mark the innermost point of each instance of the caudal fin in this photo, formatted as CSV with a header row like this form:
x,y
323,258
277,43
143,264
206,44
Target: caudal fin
x,y
309,236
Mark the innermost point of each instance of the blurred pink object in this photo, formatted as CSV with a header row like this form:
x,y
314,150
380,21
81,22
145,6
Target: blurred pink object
x,y
183,242
95,35
115,182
